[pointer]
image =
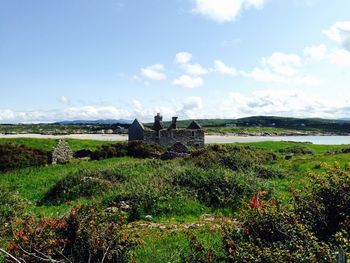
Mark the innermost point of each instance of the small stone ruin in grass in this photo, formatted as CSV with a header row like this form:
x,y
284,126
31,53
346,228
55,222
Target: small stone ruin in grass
x,y
62,153
178,150
179,147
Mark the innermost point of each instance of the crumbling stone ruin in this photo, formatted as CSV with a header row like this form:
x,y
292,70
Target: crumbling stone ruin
x,y
178,150
193,135
62,153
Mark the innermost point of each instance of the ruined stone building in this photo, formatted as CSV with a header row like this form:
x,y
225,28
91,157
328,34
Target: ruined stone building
x,y
193,135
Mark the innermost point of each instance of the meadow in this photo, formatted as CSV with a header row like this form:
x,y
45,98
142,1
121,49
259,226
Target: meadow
x,y
175,210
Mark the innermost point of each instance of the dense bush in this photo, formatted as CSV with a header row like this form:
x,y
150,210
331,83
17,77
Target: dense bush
x,y
199,253
297,150
83,154
140,149
237,158
325,204
13,156
110,151
218,187
269,172
83,183
314,228
11,206
266,232
137,149
340,151
82,236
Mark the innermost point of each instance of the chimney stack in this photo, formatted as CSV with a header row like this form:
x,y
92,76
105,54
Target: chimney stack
x,y
158,122
173,123
158,118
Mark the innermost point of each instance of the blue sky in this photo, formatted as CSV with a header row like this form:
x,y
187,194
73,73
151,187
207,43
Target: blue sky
x,y
92,59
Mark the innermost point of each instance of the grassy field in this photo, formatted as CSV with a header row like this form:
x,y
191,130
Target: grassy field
x,y
49,144
169,204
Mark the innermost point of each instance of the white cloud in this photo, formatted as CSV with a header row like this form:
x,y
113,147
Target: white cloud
x,y
264,75
220,67
188,82
224,10
340,33
339,57
154,72
183,57
316,52
282,63
279,102
93,112
64,100
195,69
281,68
190,108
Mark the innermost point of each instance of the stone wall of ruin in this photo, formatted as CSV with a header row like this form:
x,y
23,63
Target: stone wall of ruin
x,y
166,137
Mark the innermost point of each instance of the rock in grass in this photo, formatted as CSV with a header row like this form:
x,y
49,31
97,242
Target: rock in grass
x,y
149,218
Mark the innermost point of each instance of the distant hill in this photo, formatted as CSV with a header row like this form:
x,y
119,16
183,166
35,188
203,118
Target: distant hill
x,y
95,122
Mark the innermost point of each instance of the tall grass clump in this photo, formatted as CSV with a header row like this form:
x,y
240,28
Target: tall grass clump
x,y
153,195
136,149
219,188
83,183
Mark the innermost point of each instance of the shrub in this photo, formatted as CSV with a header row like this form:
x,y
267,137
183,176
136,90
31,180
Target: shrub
x,y
137,149
84,183
204,158
110,151
83,154
297,150
340,151
13,156
84,235
268,172
11,206
325,204
237,158
140,149
218,188
267,232
199,253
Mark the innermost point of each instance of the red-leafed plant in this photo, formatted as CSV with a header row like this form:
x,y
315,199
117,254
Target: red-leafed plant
x,y
84,235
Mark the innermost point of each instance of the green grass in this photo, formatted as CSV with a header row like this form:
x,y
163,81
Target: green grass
x,y
48,144
32,183
163,246
143,174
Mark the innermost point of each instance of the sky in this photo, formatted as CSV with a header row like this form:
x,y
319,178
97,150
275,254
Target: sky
x,y
126,59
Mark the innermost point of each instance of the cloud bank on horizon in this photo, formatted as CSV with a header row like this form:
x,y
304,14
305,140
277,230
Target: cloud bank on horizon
x,y
302,80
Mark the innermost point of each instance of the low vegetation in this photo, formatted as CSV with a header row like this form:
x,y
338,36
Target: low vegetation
x,y
83,235
83,183
224,203
14,156
297,150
